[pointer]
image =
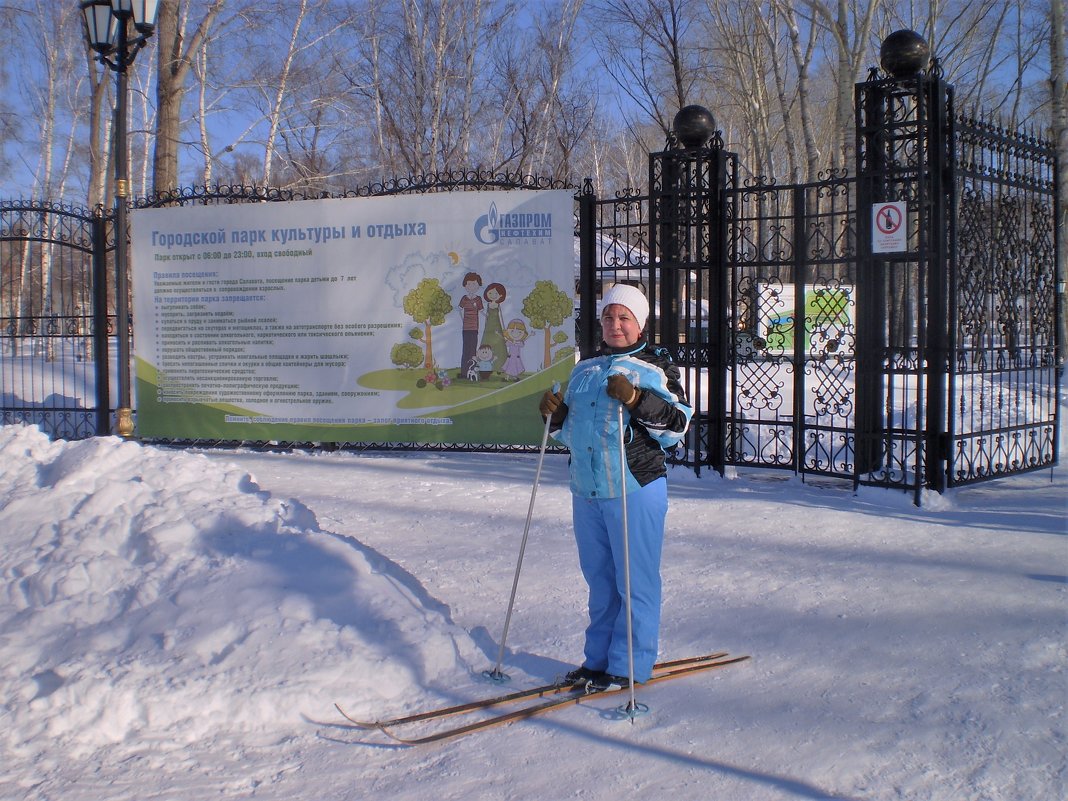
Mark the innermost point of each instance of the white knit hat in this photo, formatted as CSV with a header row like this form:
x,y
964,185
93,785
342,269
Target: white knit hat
x,y
629,296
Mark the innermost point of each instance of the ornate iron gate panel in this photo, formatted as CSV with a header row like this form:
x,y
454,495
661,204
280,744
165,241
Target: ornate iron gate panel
x,y
54,369
1003,387
809,344
753,293
793,319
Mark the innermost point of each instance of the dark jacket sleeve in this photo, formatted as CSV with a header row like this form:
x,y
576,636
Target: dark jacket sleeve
x,y
655,420
656,413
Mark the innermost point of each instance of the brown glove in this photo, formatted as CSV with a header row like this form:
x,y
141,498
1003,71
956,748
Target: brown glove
x,y
623,391
552,406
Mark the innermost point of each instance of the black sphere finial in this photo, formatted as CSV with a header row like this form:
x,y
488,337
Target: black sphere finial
x,y
904,54
694,126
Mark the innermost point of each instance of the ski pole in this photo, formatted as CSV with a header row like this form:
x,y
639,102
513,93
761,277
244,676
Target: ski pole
x,y
496,674
632,707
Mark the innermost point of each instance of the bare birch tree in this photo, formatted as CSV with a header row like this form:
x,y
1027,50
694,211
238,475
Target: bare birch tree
x,y
281,86
201,73
566,115
422,75
850,28
544,107
984,47
225,77
1058,43
142,122
175,61
45,32
305,112
803,49
10,124
749,86
424,87
291,94
648,47
53,105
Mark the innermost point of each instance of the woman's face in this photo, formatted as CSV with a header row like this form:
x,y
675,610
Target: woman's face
x,y
618,326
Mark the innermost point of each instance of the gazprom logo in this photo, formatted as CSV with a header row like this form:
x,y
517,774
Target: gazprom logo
x,y
513,228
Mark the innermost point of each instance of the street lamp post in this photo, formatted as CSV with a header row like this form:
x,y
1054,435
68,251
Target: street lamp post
x,y
107,30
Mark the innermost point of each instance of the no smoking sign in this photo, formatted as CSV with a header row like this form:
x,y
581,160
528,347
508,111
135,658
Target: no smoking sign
x,y
888,230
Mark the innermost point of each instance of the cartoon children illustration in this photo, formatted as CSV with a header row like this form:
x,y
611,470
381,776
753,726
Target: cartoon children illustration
x,y
471,307
515,337
493,336
483,362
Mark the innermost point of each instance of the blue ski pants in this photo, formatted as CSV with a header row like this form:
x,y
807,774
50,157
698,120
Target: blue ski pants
x,y
599,534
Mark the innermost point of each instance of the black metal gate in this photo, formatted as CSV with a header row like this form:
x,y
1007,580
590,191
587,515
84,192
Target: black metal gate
x,y
1002,394
792,365
54,319
755,296
809,345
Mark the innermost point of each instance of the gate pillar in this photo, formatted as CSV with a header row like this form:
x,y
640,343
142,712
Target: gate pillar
x,y
688,292
904,229
100,324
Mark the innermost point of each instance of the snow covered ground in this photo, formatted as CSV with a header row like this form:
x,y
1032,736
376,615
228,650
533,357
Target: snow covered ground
x,y
178,625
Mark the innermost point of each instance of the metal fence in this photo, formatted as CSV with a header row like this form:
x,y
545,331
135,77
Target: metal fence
x,y
1002,394
807,348
803,347
54,323
757,303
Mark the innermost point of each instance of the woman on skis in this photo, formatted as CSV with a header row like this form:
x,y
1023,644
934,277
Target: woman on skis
x,y
627,370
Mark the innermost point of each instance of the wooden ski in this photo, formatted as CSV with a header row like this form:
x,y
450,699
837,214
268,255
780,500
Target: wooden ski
x,y
567,698
499,700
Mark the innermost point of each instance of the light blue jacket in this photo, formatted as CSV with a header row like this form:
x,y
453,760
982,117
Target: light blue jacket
x,y
591,428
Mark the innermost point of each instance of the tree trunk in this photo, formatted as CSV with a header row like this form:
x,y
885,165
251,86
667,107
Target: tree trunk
x,y
207,171
428,337
175,61
1059,87
803,60
168,97
281,87
99,132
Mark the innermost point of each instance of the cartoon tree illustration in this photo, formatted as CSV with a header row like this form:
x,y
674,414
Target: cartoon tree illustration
x,y
428,304
406,354
559,338
547,306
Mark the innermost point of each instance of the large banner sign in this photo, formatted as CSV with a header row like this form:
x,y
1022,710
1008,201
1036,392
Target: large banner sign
x,y
437,318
